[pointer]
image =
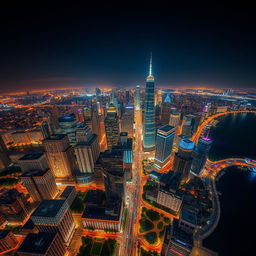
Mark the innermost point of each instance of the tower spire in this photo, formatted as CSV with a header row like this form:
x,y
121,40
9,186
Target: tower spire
x,y
150,76
150,65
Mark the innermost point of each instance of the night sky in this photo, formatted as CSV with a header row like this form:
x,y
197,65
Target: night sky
x,y
64,46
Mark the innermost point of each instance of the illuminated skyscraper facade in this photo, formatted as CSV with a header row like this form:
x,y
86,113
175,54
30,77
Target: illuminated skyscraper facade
x,y
200,154
112,126
164,140
183,158
149,128
166,110
60,156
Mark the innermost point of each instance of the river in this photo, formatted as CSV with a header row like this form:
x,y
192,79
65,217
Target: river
x,y
235,136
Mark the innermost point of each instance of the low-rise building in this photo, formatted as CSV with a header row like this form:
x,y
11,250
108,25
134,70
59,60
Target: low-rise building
x,y
103,217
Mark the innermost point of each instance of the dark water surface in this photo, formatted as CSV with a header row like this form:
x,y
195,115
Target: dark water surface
x,y
235,136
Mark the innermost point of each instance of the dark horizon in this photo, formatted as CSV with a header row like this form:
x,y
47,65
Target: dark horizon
x,y
89,47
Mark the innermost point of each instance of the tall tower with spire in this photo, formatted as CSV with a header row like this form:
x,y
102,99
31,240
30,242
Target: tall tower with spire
x,y
149,127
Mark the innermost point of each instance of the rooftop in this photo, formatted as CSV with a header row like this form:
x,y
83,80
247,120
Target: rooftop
x,y
89,142
101,213
37,243
187,144
34,173
33,156
67,191
181,236
189,216
94,197
28,225
48,208
166,128
56,137
68,118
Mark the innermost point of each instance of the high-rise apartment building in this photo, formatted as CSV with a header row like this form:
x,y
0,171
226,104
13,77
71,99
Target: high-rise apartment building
x,y
60,156
149,129
112,127
40,184
55,216
164,141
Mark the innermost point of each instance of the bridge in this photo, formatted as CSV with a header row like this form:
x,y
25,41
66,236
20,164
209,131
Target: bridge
x,y
212,168
200,128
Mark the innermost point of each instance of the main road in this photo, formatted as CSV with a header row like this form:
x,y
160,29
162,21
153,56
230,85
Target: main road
x,y
130,232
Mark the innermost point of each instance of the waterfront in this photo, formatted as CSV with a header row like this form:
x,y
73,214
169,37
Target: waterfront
x,y
234,136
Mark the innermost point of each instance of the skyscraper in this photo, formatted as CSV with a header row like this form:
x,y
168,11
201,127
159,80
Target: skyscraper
x,y
4,158
149,128
36,161
200,154
164,140
95,119
97,93
115,183
137,94
174,118
128,120
40,184
68,126
83,133
60,156
42,244
87,153
112,126
183,158
14,207
45,129
55,216
166,110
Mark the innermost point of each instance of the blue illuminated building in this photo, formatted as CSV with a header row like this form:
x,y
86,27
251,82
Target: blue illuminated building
x,y
68,126
164,141
149,127
200,155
